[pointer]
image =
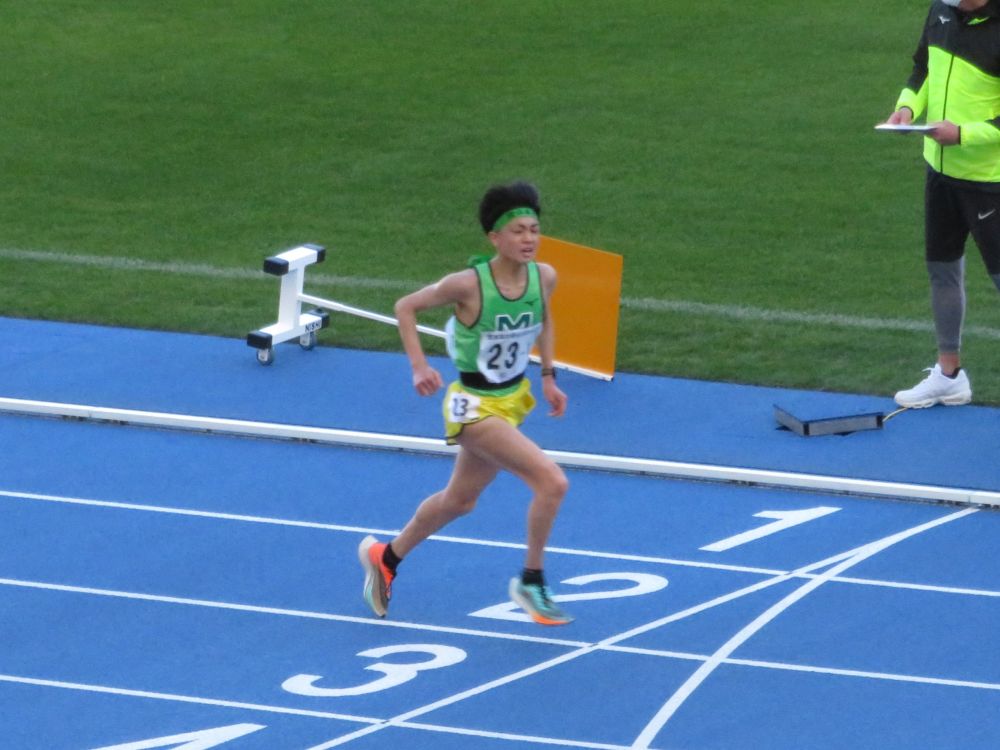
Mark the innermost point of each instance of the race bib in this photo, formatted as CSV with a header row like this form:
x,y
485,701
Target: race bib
x,y
504,354
463,407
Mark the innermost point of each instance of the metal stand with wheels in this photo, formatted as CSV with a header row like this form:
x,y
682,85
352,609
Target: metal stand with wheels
x,y
292,322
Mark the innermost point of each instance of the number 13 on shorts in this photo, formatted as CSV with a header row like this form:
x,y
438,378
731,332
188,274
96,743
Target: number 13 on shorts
x,y
463,407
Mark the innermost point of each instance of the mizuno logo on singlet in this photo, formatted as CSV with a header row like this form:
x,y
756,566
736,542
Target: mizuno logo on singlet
x,y
505,323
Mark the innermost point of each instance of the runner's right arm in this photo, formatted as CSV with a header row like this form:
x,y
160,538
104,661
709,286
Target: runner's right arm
x,y
454,289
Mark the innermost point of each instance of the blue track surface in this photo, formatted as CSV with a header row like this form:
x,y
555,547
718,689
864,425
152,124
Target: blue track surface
x,y
636,415
162,589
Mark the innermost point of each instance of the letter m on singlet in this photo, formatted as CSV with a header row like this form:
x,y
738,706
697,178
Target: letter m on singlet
x,y
505,323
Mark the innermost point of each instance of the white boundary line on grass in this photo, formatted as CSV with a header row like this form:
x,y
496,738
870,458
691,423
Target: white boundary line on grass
x,y
832,320
644,304
114,263
434,446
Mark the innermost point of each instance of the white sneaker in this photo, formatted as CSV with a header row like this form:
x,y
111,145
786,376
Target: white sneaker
x,y
937,388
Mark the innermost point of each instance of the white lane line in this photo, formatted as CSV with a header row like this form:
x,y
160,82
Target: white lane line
x,y
609,644
281,611
656,724
642,304
284,710
582,651
365,530
960,590
810,668
176,698
517,637
270,520
917,679
508,736
456,698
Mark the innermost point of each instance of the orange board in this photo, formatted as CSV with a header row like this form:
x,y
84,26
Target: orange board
x,y
585,304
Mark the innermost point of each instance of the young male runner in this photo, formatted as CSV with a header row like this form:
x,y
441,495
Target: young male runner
x,y
500,310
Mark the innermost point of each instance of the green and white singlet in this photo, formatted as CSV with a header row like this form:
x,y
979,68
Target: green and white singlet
x,y
492,353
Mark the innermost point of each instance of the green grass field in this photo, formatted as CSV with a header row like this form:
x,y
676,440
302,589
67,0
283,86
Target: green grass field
x,y
154,152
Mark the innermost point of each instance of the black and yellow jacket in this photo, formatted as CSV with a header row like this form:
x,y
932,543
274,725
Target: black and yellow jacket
x,y
956,77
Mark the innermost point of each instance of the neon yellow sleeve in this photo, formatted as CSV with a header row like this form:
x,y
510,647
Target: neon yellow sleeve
x,y
915,100
979,133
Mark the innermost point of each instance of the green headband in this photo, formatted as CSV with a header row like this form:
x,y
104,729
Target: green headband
x,y
512,214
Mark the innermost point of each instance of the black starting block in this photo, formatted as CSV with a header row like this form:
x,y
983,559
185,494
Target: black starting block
x,y
829,425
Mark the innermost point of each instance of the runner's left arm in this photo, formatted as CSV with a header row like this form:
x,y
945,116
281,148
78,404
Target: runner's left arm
x,y
546,346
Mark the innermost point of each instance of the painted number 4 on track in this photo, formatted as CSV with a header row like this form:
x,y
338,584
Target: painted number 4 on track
x,y
203,739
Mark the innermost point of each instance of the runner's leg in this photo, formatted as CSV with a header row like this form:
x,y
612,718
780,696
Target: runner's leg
x,y
499,443
471,475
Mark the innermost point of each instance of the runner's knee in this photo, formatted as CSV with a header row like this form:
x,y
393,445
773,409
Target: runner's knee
x,y
458,502
552,483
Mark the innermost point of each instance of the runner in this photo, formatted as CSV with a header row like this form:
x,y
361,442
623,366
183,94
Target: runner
x,y
500,309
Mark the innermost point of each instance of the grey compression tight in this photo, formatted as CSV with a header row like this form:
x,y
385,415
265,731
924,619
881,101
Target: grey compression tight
x,y
948,301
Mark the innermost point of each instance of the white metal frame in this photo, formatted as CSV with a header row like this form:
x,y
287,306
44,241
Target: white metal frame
x,y
292,323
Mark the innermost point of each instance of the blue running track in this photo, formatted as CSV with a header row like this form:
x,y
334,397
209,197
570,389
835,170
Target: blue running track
x,y
186,590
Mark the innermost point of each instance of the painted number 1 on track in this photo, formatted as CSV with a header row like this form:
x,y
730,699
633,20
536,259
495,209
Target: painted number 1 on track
x,y
785,519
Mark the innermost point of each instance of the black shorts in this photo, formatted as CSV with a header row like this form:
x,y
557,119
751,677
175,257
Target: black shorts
x,y
952,211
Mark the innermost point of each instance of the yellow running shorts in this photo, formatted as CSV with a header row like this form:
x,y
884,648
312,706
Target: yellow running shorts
x,y
460,407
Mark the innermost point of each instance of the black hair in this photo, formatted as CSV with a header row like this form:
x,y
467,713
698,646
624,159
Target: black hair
x,y
500,199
